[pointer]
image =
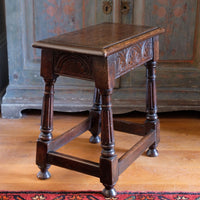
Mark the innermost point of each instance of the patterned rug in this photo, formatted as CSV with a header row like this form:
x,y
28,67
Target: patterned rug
x,y
97,196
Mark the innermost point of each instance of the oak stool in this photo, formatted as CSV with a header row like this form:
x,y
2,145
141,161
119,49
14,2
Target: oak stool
x,y
100,53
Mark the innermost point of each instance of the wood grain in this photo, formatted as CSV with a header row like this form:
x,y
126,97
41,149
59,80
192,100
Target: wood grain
x,y
176,169
174,79
102,39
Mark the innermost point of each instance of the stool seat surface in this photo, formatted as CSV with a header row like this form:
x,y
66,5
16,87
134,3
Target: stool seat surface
x,y
101,39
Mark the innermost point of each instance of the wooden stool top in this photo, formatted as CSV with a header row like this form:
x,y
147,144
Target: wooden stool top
x,y
102,39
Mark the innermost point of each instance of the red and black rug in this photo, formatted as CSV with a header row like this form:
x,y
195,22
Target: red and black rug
x,y
97,195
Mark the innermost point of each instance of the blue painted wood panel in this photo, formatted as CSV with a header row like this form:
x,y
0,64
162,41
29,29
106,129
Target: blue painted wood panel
x,y
30,20
179,19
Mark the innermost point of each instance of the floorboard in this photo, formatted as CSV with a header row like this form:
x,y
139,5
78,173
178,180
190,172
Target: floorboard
x,y
176,169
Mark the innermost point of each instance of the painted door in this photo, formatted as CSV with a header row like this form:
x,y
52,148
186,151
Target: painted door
x,y
179,51
31,20
178,70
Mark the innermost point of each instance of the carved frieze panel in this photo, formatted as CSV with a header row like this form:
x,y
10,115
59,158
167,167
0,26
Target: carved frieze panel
x,y
133,56
77,65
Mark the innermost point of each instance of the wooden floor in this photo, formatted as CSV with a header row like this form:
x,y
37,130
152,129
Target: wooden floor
x,y
176,169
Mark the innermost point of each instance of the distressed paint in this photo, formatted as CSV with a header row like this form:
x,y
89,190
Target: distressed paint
x,y
100,15
89,12
179,18
138,12
30,20
54,17
128,18
174,79
116,11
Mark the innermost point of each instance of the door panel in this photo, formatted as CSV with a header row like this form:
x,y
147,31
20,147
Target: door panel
x,y
179,66
178,70
179,19
31,20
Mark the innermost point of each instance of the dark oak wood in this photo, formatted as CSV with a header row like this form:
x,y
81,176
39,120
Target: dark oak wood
x,y
102,39
152,121
135,151
95,117
129,127
99,53
77,164
69,135
108,159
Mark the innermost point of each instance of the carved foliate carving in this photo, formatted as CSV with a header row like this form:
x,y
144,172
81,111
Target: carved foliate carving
x,y
133,56
72,65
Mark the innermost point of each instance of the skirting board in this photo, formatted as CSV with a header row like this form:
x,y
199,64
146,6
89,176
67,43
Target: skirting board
x,y
77,100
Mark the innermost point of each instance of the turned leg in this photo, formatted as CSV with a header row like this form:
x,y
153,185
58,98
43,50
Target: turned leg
x,y
46,130
108,159
95,117
152,121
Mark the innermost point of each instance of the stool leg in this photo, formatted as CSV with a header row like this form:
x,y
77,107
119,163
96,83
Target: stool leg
x,y
152,121
46,130
95,117
108,159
